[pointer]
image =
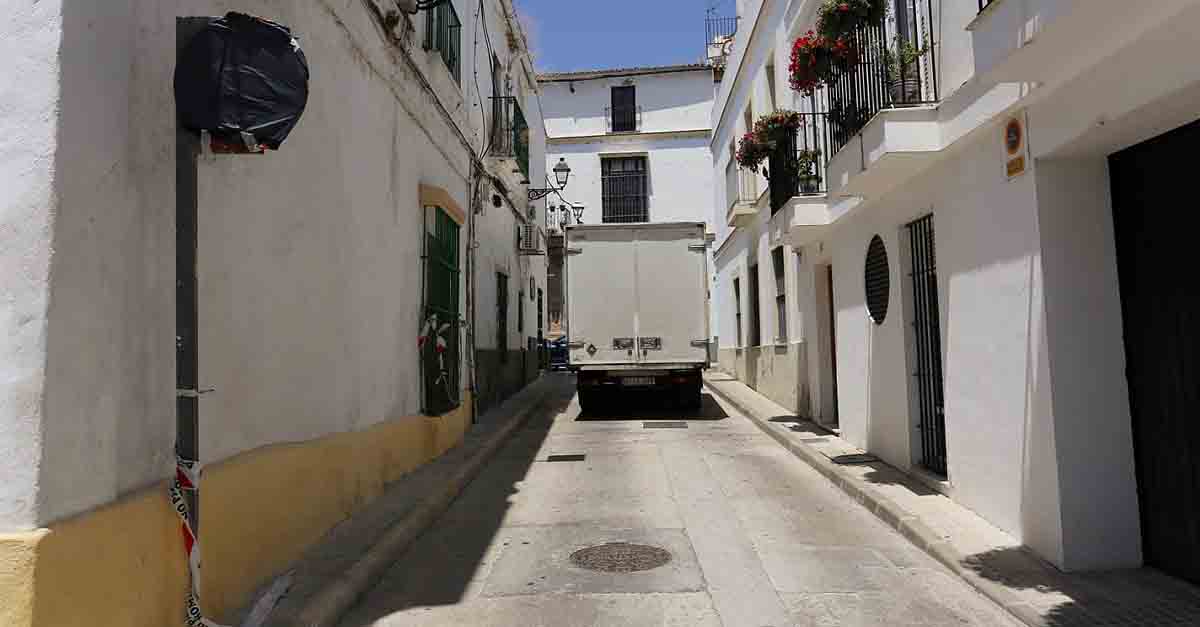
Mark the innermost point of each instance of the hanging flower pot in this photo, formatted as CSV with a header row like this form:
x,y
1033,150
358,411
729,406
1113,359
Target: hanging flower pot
x,y
842,18
776,126
811,63
751,152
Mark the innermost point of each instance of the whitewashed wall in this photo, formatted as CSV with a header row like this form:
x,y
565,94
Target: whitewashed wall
x,y
674,138
309,257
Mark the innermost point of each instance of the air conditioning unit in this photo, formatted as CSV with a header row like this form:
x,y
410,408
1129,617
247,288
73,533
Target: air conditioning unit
x,y
530,241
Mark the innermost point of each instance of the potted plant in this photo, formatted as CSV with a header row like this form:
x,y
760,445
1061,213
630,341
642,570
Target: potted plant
x,y
903,71
846,120
808,171
842,18
811,63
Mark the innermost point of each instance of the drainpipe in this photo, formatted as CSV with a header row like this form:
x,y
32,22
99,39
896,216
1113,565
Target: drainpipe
x,y
473,207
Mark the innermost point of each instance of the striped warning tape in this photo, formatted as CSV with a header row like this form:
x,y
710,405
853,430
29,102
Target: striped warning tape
x,y
187,477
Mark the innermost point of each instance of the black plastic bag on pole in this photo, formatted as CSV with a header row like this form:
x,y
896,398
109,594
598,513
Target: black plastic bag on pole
x,y
244,80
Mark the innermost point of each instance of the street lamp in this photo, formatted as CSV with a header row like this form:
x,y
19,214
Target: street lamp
x,y
578,211
562,172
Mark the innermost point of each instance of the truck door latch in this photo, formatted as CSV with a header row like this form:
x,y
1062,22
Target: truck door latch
x,y
700,343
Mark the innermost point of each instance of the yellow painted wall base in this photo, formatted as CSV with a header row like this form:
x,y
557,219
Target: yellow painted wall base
x,y
123,566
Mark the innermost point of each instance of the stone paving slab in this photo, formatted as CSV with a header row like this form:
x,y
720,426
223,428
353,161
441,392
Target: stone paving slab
x,y
989,559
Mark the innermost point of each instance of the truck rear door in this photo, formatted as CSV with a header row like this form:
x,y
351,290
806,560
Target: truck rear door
x,y
672,294
601,299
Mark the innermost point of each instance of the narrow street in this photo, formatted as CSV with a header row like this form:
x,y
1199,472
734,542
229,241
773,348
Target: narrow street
x,y
755,536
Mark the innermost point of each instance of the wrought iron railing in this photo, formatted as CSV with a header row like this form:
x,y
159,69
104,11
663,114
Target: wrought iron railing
x,y
510,132
623,119
894,65
719,28
624,197
443,32
798,166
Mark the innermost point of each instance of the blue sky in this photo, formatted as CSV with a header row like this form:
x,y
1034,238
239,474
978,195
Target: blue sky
x,y
585,34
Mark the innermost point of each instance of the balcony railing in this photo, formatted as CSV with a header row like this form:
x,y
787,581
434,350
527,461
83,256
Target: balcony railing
x,y
719,29
895,66
798,166
510,132
741,185
623,119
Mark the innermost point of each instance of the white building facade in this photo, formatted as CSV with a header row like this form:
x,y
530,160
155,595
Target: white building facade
x,y
313,282
975,292
634,139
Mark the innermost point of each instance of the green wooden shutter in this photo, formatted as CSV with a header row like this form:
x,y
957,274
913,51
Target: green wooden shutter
x,y
440,350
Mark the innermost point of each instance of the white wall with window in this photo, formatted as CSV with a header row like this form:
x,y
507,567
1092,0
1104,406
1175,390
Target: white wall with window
x,y
981,349
635,140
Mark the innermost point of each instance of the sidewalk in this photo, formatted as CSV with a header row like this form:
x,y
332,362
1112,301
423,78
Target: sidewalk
x,y
348,561
987,558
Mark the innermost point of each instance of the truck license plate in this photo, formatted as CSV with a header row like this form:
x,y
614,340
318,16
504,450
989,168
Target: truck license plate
x,y
638,381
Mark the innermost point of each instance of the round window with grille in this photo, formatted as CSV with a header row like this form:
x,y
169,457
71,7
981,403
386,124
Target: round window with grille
x,y
877,280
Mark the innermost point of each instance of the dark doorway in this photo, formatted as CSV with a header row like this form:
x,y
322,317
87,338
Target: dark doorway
x,y
831,311
1160,304
927,339
755,338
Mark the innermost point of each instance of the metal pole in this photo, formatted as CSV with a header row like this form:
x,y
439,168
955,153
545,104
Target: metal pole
x,y
187,361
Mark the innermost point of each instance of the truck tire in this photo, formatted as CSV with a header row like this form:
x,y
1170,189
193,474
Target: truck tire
x,y
693,398
589,401
688,397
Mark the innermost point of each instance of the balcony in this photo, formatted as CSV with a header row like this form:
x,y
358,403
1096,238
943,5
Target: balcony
x,y
719,34
1027,41
510,133
896,67
623,119
798,166
741,194
882,105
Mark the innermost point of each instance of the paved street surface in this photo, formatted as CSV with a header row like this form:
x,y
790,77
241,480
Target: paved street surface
x,y
756,537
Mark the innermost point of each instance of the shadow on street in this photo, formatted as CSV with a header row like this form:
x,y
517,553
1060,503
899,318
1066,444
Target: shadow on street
x,y
441,565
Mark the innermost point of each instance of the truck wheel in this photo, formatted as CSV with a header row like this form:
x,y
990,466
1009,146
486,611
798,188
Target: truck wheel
x,y
693,398
588,401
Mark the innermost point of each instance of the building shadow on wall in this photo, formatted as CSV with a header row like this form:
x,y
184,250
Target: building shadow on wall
x,y
450,557
1141,596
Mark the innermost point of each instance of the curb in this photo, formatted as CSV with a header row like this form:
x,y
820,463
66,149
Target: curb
x,y
327,606
893,515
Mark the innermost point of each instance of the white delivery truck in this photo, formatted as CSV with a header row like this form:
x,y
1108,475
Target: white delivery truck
x,y
637,309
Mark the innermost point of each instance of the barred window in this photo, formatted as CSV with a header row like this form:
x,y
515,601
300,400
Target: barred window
x,y
623,189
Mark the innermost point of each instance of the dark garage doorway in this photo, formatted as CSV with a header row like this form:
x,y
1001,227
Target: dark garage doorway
x,y
1160,303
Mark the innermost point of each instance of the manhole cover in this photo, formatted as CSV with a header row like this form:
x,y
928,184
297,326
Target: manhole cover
x,y
620,557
